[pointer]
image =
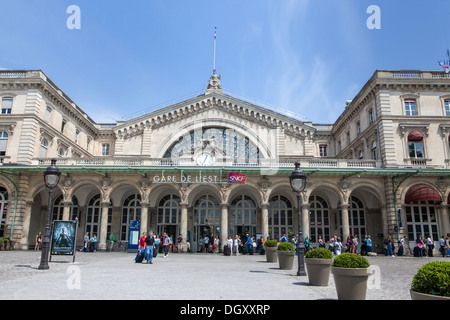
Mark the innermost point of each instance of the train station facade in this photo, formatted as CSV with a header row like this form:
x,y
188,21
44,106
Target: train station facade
x,y
218,165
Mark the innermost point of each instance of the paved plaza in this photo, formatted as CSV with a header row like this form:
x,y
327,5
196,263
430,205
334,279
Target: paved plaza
x,y
104,275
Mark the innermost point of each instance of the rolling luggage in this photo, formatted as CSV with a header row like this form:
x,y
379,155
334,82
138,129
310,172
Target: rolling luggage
x,y
226,251
139,257
416,251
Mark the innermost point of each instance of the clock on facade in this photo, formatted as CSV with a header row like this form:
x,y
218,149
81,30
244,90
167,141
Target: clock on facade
x,y
205,159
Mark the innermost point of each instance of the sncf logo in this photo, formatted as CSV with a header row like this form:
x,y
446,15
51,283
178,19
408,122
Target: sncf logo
x,y
234,177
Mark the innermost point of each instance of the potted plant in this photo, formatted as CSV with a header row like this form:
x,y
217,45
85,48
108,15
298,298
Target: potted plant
x,y
271,250
286,253
432,282
318,266
350,273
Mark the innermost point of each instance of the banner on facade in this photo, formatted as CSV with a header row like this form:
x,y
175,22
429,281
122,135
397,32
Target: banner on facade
x,y
64,235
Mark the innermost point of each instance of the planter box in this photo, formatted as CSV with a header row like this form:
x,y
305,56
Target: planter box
x,y
351,283
318,271
271,254
286,259
423,296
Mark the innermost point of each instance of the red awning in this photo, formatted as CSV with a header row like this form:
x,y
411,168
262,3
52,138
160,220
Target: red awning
x,y
422,192
415,136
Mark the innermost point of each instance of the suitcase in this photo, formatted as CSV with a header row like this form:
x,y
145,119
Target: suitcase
x,y
262,251
226,251
416,251
139,257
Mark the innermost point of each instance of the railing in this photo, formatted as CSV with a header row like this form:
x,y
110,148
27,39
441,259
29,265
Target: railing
x,y
167,162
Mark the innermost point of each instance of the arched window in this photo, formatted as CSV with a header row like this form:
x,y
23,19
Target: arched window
x,y
58,208
206,217
94,216
280,217
421,211
243,216
319,218
131,210
356,218
169,215
3,210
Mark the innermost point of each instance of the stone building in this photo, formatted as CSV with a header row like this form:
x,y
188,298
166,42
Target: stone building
x,y
217,165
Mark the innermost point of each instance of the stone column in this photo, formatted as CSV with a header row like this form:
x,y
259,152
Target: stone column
x,y
305,219
445,221
183,225
223,224
103,226
66,210
345,222
265,220
144,217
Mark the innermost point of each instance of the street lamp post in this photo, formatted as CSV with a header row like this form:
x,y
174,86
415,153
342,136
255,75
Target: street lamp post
x,y
51,179
298,183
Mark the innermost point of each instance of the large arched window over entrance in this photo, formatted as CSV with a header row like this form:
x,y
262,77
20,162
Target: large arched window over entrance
x,y
421,211
243,216
224,143
131,210
319,218
169,215
3,210
94,214
280,217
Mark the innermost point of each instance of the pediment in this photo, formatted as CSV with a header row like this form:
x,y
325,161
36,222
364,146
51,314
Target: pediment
x,y
221,102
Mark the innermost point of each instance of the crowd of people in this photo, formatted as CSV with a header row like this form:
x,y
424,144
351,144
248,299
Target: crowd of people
x,y
150,244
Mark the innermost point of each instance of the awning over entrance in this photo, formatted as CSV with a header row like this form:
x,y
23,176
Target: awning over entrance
x,y
422,192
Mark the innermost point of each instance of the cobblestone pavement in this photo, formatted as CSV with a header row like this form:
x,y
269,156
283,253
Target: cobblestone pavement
x,y
104,275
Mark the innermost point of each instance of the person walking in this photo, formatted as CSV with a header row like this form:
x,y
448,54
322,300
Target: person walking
x,y
38,241
236,245
141,243
368,244
149,246
442,246
157,243
86,242
111,238
94,242
430,245
166,244
337,246
388,244
230,245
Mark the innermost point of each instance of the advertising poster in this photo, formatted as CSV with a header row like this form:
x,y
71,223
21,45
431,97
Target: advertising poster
x,y
64,234
133,241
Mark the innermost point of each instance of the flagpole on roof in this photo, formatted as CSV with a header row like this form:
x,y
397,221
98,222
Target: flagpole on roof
x,y
214,66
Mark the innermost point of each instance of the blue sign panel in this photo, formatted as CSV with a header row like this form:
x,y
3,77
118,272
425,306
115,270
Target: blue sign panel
x,y
133,239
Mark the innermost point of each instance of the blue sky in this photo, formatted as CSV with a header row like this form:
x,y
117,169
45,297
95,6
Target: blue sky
x,y
306,56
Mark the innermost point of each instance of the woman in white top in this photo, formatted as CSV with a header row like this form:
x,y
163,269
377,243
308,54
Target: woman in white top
x,y
230,245
236,245
338,246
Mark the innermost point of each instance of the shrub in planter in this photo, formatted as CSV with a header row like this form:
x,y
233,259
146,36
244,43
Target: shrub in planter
x,y
319,253
350,273
318,265
432,280
286,253
350,260
270,243
270,246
